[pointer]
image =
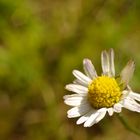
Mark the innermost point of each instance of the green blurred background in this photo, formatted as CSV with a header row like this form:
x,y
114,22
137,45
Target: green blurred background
x,y
41,42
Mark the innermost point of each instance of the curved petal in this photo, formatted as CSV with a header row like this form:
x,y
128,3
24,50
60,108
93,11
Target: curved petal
x,y
73,95
135,96
80,76
92,119
77,88
111,59
75,101
89,69
78,111
131,104
127,72
85,117
100,116
79,82
105,63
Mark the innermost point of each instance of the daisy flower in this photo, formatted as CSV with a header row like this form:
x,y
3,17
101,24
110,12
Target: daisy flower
x,y
97,95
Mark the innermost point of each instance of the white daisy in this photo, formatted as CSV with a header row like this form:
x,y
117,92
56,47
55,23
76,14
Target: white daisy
x,y
97,95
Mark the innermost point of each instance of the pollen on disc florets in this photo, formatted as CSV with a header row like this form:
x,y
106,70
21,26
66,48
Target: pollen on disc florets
x,y
104,91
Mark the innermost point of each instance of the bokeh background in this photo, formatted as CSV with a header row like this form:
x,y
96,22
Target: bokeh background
x,y
41,42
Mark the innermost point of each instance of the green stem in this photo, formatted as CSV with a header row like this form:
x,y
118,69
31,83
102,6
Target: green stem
x,y
127,125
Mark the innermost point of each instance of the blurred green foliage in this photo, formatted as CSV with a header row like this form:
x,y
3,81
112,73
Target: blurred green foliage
x,y
41,42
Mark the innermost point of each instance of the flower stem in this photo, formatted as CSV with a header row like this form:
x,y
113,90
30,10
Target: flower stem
x,y
127,125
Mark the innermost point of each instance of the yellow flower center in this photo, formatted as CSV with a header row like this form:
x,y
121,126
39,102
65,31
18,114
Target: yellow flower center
x,y
103,92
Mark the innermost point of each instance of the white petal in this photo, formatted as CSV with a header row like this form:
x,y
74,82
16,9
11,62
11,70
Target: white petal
x,y
100,116
135,96
105,63
117,107
111,59
77,88
89,69
73,95
85,117
78,111
127,72
110,111
92,119
131,104
75,101
79,75
78,82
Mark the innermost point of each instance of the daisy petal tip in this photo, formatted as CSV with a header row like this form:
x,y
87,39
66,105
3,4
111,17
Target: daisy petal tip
x,y
85,125
69,116
131,63
88,125
64,97
111,50
104,52
65,101
86,60
66,86
78,123
74,71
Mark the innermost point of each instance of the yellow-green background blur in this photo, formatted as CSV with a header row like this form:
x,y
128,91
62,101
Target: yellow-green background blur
x,y
41,42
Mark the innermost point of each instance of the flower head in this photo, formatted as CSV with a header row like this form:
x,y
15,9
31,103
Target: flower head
x,y
97,95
